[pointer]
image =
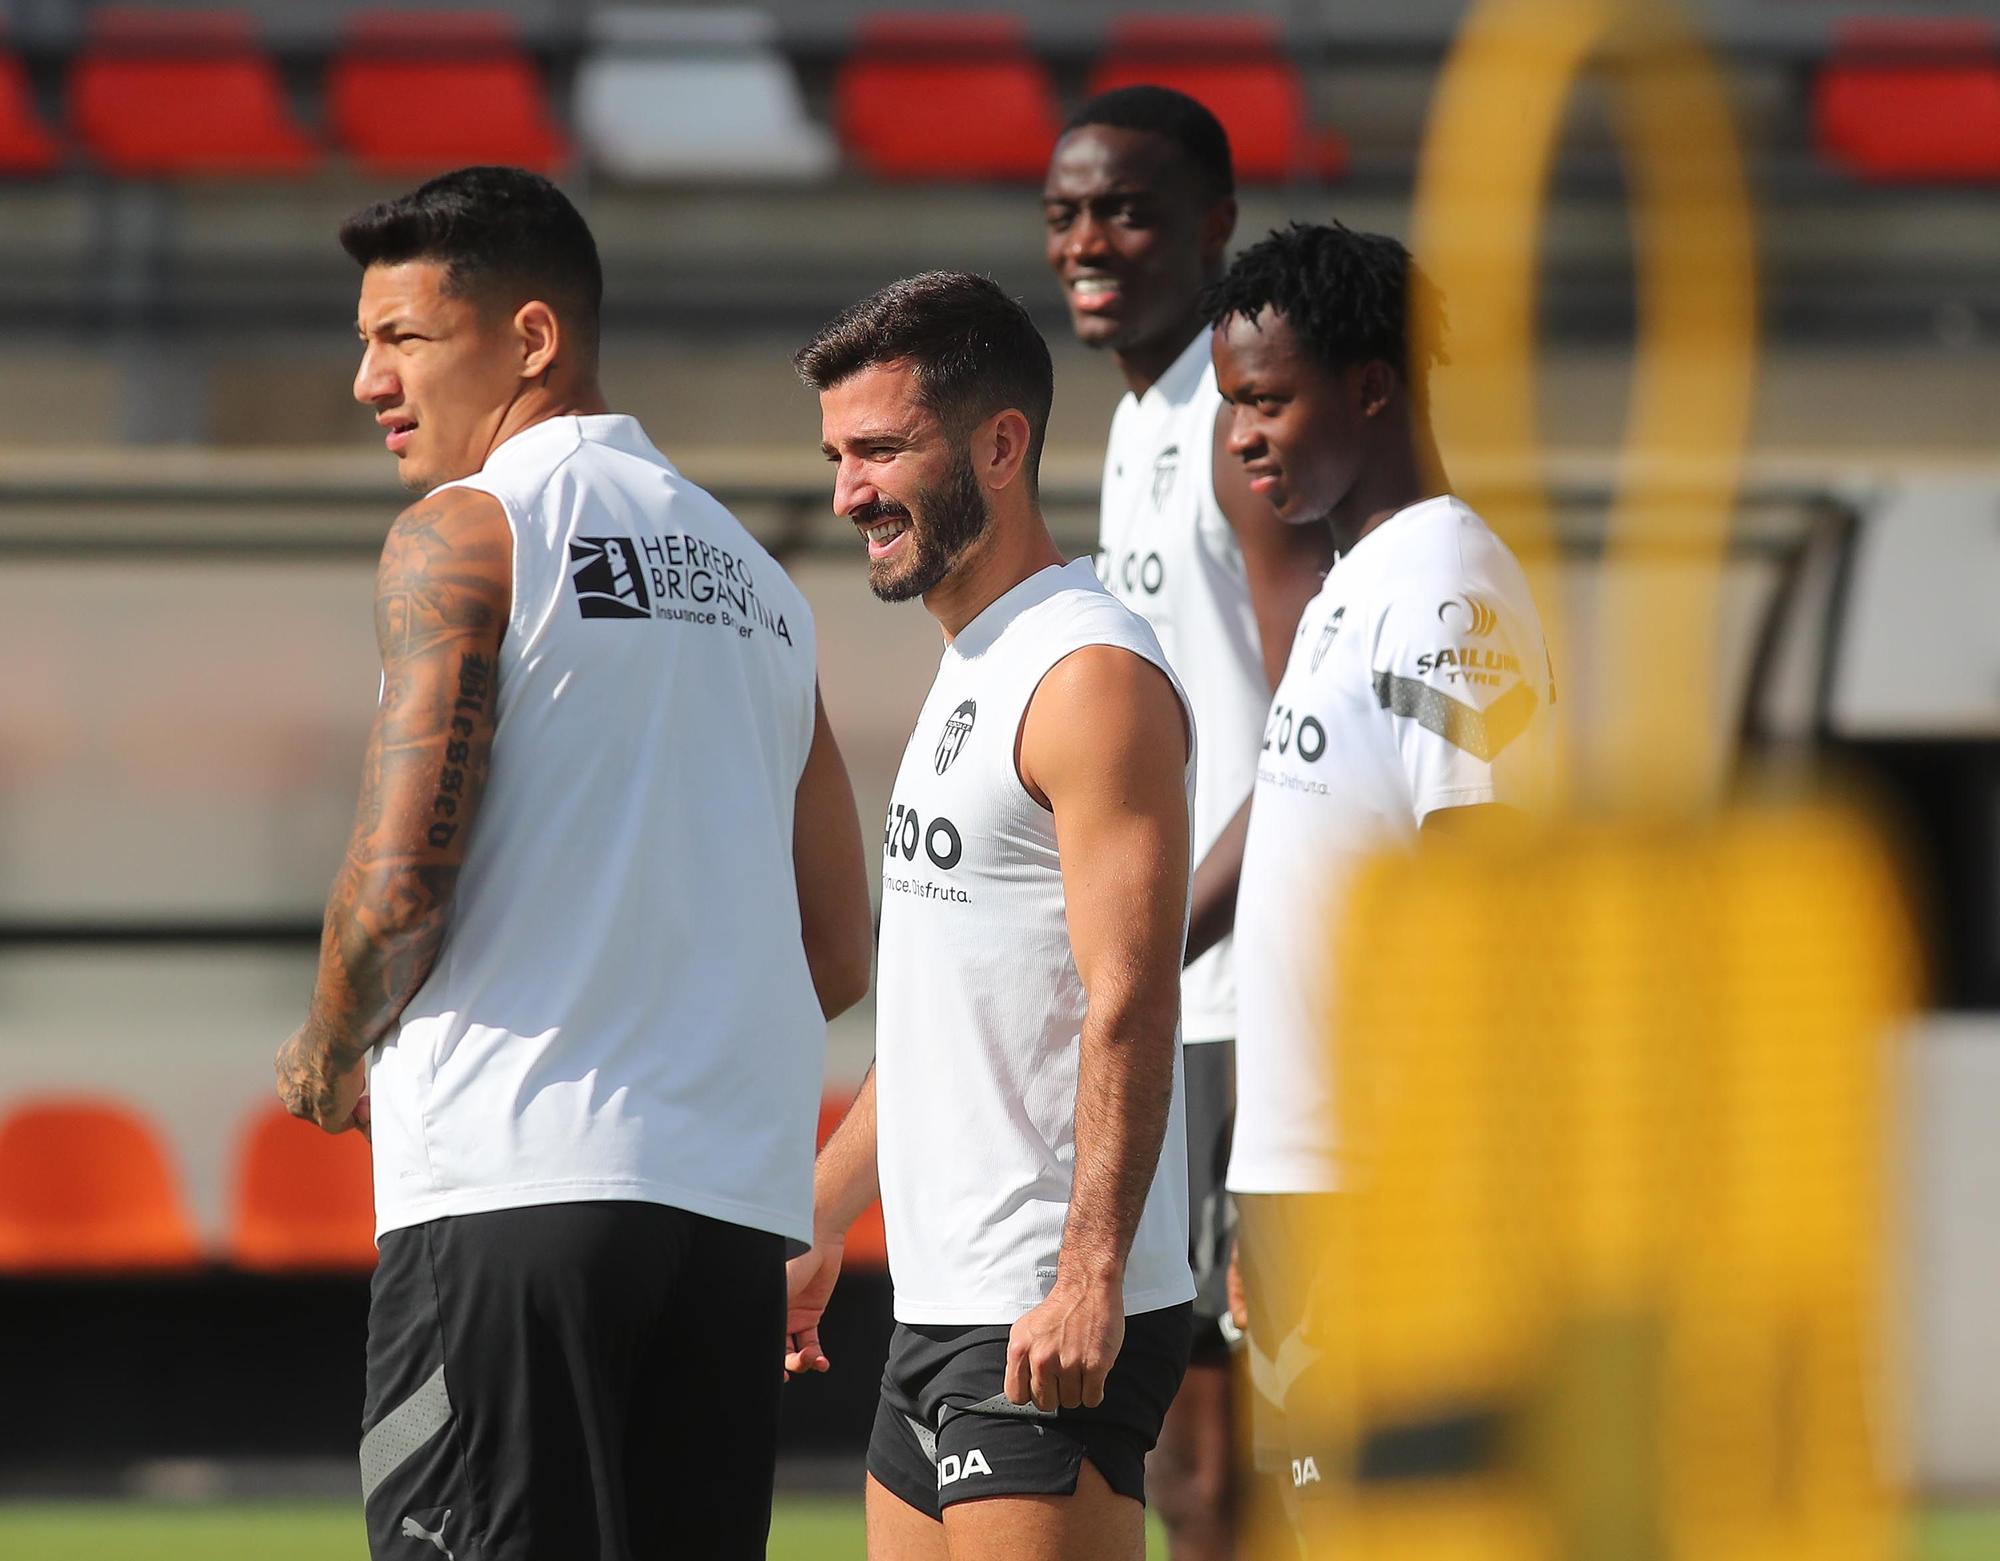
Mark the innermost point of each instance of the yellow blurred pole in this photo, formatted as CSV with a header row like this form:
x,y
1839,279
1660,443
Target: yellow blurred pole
x,y
1693,387
1483,179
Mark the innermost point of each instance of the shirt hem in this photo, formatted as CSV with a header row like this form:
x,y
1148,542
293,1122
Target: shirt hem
x,y
997,1314
487,1200
1203,1029
1455,797
1272,1179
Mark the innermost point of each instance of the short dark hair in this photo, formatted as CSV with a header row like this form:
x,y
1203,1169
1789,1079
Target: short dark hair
x,y
494,230
972,349
1176,117
1349,297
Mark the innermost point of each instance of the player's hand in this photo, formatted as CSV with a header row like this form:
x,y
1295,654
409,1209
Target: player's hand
x,y
809,1281
1239,1305
314,1087
1060,1353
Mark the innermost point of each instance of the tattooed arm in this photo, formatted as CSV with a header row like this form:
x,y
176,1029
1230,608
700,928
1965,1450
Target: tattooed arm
x,y
442,597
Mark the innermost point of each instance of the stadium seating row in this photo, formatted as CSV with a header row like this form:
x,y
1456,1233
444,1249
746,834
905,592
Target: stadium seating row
x,y
87,1187
665,93
706,94
1912,100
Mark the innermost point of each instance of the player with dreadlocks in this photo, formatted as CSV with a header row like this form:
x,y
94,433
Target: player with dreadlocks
x,y
1414,702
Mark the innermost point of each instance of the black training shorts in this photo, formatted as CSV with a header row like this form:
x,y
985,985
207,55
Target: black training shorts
x,y
545,1382
945,1432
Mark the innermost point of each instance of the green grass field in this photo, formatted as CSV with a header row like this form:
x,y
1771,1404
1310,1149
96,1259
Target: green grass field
x,y
805,1530
816,1529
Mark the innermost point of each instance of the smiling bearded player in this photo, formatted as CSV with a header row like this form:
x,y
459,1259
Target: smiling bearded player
x,y
1025,1105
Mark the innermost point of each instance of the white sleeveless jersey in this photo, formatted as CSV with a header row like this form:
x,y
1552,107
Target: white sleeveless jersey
x,y
622,1007
979,1007
1166,550
1418,680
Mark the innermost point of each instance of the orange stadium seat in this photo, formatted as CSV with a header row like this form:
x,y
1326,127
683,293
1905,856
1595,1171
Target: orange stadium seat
x,y
945,97
161,92
1911,101
25,144
303,1199
867,1246
84,1185
1236,67
416,92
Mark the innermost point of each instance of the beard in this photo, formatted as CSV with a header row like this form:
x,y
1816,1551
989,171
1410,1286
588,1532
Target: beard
x,y
944,520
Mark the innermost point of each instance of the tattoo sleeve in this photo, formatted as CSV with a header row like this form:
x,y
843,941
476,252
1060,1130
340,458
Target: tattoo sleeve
x,y
442,599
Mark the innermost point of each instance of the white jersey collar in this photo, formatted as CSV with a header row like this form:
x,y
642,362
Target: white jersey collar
x,y
979,635
1400,521
616,430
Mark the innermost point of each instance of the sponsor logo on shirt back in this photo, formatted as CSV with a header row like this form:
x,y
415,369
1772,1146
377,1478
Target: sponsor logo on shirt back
x,y
605,572
674,578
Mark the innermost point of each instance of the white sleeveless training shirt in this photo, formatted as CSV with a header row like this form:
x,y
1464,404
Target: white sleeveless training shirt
x,y
979,1007
1166,550
622,1007
1418,680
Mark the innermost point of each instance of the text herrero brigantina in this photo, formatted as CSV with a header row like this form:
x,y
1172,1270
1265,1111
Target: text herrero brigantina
x,y
688,572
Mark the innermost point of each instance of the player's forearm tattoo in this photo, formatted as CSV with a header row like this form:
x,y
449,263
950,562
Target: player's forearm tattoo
x,y
439,614
475,677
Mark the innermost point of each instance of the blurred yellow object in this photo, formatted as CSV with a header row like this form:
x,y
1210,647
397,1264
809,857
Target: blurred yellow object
x,y
1608,1278
1482,182
1615,1108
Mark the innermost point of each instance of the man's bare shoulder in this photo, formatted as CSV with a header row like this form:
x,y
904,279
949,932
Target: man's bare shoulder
x,y
448,519
1102,710
447,567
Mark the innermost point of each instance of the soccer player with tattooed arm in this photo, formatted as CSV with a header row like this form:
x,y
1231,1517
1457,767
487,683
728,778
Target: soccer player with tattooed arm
x,y
605,886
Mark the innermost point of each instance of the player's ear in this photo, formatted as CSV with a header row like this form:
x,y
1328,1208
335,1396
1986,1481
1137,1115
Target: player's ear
x,y
1000,449
1217,228
540,337
1375,385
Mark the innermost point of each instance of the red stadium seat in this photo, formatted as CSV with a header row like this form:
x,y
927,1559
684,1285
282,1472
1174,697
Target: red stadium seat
x,y
1911,102
25,145
867,1246
84,1185
182,93
1235,66
945,97
304,1199
415,93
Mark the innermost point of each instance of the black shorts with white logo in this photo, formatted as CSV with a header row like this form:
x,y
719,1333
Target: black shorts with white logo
x,y
1210,1082
945,1432
543,1382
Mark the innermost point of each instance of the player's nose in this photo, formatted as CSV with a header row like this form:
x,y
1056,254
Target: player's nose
x,y
1085,240
851,490
373,382
1245,438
